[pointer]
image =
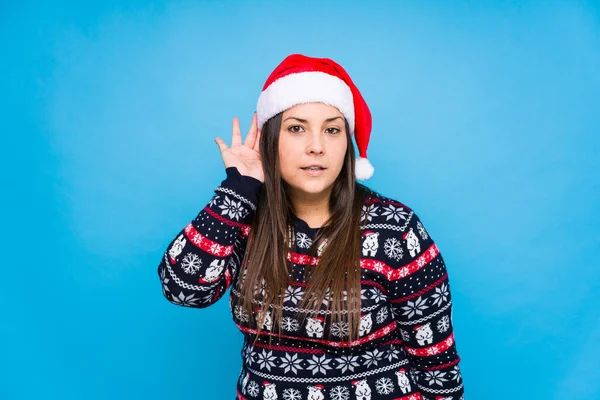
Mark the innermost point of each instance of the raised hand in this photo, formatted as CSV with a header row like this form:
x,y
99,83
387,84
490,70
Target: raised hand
x,y
245,157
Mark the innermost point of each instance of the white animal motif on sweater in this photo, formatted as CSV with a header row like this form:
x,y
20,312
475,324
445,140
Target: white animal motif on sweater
x,y
424,334
176,248
412,243
213,271
362,390
269,393
370,244
366,323
403,381
315,393
267,323
314,327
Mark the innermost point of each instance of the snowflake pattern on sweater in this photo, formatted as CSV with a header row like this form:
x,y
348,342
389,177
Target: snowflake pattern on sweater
x,y
406,349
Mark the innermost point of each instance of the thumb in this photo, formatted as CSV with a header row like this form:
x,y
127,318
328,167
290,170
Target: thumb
x,y
222,145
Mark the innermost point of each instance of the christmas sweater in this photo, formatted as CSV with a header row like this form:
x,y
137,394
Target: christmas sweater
x,y
406,349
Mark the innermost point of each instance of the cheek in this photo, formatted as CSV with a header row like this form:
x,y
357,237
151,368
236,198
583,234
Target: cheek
x,y
287,155
340,153
285,165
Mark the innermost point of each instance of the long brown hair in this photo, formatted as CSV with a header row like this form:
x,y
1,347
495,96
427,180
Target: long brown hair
x,y
265,270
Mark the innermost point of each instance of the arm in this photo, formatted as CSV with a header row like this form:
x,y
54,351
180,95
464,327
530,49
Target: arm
x,y
420,297
203,259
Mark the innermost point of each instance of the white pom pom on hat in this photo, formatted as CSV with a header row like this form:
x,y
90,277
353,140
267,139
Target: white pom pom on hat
x,y
303,79
364,169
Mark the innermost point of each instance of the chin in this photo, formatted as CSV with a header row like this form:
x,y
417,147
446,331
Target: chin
x,y
315,187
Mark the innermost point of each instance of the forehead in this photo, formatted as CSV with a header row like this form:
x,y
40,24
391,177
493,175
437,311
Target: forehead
x,y
312,111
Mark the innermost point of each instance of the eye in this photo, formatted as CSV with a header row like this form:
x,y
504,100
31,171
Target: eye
x,y
335,130
292,128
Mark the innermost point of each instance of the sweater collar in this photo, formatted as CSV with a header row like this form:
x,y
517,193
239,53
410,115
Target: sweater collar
x,y
302,226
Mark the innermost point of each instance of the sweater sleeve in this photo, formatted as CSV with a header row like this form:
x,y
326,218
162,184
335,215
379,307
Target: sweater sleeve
x,y
421,303
203,259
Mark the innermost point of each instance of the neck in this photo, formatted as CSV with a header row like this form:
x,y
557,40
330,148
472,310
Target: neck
x,y
312,208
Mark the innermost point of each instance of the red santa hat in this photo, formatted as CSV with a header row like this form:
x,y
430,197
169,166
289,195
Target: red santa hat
x,y
319,386
303,79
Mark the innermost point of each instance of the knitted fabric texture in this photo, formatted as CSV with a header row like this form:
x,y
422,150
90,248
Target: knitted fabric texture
x,y
406,349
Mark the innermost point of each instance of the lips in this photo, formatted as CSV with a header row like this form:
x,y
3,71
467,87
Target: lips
x,y
315,167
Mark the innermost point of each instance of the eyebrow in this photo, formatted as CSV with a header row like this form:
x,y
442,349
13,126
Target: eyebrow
x,y
306,121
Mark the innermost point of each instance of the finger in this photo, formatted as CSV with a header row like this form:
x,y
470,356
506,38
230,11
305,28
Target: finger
x,y
236,136
222,145
251,137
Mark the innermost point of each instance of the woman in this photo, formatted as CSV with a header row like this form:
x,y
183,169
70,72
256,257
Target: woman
x,y
340,292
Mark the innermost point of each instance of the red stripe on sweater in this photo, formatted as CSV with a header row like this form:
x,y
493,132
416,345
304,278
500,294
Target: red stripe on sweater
x,y
395,341
377,285
372,336
443,366
393,274
205,243
225,220
433,349
422,291
413,396
385,203
302,259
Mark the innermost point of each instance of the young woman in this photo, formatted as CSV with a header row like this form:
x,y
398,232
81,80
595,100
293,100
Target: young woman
x,y
340,292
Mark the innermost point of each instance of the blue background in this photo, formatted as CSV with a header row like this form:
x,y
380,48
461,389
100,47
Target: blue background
x,y
486,122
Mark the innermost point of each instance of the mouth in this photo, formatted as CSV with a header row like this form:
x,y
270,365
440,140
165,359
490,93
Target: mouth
x,y
314,168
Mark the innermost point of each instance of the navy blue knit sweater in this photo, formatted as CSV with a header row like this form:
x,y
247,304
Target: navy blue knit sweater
x,y
406,349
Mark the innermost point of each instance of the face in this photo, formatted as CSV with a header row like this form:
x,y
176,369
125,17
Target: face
x,y
311,134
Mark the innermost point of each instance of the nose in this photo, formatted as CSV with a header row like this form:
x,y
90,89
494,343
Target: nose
x,y
315,143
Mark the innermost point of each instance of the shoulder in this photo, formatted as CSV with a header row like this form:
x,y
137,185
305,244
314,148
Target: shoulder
x,y
382,212
392,232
